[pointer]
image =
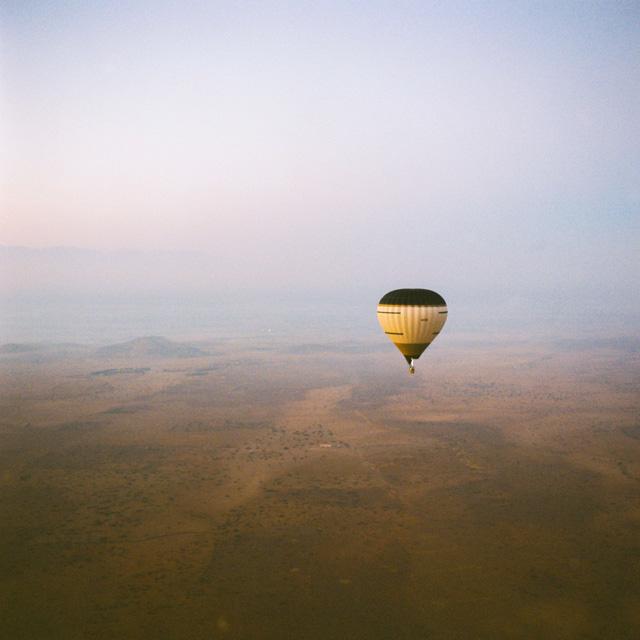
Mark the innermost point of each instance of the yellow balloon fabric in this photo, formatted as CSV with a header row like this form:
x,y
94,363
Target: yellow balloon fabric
x,y
412,318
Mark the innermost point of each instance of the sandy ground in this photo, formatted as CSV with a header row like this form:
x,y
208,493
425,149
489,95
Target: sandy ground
x,y
280,490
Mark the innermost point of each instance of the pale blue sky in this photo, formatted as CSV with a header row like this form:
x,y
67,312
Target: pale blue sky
x,y
436,144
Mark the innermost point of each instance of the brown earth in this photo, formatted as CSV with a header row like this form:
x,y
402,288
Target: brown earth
x,y
293,491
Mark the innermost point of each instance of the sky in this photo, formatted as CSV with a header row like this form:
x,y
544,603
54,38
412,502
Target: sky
x,y
458,146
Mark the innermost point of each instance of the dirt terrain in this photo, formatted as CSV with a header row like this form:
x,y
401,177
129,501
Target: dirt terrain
x,y
273,489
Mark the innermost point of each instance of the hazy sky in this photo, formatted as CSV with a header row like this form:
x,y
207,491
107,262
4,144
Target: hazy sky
x,y
408,143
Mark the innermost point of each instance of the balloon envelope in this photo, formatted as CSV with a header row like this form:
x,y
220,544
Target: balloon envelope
x,y
412,318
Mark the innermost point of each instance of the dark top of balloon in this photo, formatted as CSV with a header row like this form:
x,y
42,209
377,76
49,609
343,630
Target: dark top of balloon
x,y
414,298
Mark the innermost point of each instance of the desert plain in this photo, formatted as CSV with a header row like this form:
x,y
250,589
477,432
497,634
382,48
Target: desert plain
x,y
268,487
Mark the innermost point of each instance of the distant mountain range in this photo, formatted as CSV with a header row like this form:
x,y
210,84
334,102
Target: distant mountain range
x,y
150,346
12,347
146,347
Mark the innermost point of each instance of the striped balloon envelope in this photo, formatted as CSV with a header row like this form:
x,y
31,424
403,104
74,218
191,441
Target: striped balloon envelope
x,y
412,318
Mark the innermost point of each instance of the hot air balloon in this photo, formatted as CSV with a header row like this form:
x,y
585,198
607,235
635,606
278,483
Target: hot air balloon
x,y
412,318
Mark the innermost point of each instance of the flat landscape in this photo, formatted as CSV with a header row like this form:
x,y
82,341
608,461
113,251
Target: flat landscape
x,y
278,488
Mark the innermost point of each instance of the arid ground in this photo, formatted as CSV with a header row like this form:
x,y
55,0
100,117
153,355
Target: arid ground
x,y
269,488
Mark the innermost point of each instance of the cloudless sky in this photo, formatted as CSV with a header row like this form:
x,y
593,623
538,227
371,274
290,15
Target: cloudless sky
x,y
435,144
